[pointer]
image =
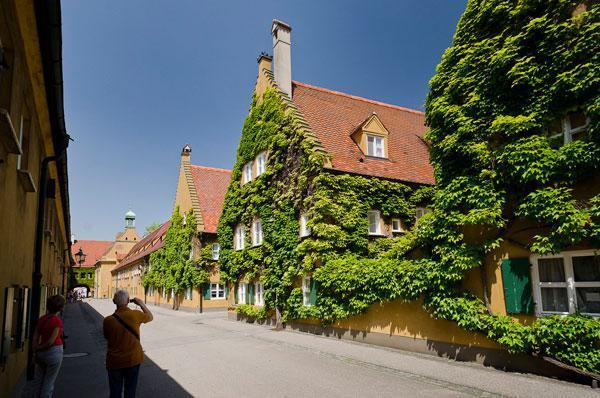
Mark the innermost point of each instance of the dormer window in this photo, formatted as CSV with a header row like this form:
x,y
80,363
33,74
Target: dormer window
x,y
247,173
372,137
375,146
568,129
261,162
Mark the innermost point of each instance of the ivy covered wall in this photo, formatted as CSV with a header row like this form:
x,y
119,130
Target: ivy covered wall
x,y
515,68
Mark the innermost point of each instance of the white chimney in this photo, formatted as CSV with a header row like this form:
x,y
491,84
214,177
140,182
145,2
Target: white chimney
x,y
282,57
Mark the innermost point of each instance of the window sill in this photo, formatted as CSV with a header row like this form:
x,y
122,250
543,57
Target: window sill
x,y
378,235
26,180
8,133
372,157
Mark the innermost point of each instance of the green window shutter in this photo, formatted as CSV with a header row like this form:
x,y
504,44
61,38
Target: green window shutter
x,y
226,291
206,288
236,292
313,291
516,279
250,294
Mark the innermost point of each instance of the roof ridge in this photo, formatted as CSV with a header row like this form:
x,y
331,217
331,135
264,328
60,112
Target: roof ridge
x,y
211,168
326,90
93,240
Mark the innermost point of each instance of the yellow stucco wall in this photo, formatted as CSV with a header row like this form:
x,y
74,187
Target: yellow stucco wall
x,y
23,95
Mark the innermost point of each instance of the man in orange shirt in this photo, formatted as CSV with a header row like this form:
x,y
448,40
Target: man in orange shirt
x,y
124,351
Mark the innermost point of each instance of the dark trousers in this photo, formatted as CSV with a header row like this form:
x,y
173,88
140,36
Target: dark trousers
x,y
119,378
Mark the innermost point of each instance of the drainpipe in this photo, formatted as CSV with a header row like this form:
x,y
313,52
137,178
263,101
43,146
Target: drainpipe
x,y
36,282
64,268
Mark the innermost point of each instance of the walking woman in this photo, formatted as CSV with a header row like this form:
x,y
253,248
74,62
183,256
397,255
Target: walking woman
x,y
48,347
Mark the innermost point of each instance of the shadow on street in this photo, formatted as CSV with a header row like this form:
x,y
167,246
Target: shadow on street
x,y
83,371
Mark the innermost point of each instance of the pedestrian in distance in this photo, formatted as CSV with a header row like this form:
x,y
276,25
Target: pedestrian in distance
x,y
124,353
47,345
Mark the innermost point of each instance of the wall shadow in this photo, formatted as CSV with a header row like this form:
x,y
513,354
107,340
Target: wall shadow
x,y
86,375
407,326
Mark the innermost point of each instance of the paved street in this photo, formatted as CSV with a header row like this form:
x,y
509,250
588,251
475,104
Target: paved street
x,y
207,355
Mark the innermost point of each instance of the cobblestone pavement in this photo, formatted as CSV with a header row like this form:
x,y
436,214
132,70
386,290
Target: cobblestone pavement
x,y
208,355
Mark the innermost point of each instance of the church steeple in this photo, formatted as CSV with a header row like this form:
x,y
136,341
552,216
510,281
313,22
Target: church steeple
x,y
130,219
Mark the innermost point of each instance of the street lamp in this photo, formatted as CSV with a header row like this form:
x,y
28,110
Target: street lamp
x,y
80,257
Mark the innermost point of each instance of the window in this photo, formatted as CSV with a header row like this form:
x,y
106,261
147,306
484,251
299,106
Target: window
x,y
258,294
188,293
397,225
304,229
571,128
215,251
566,283
261,161
421,211
217,291
375,146
247,173
306,282
240,237
242,293
374,222
257,232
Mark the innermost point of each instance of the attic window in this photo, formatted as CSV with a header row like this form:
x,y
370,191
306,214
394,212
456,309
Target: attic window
x,y
375,146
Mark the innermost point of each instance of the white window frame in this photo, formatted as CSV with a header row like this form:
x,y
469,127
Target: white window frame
x,y
247,173
242,293
306,280
239,240
259,298
570,284
377,214
257,232
218,290
567,132
421,211
400,226
261,163
375,143
305,230
216,251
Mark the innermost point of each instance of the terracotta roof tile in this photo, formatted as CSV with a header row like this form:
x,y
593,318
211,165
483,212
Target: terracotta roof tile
x,y
333,116
211,185
148,245
94,249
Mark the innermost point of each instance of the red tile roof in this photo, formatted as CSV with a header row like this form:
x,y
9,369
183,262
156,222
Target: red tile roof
x,y
211,185
94,249
148,245
334,116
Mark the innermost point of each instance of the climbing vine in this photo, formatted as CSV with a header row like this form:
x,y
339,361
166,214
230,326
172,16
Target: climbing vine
x,y
171,266
514,69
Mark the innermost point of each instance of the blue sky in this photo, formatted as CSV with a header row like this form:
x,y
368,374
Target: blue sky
x,y
144,77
